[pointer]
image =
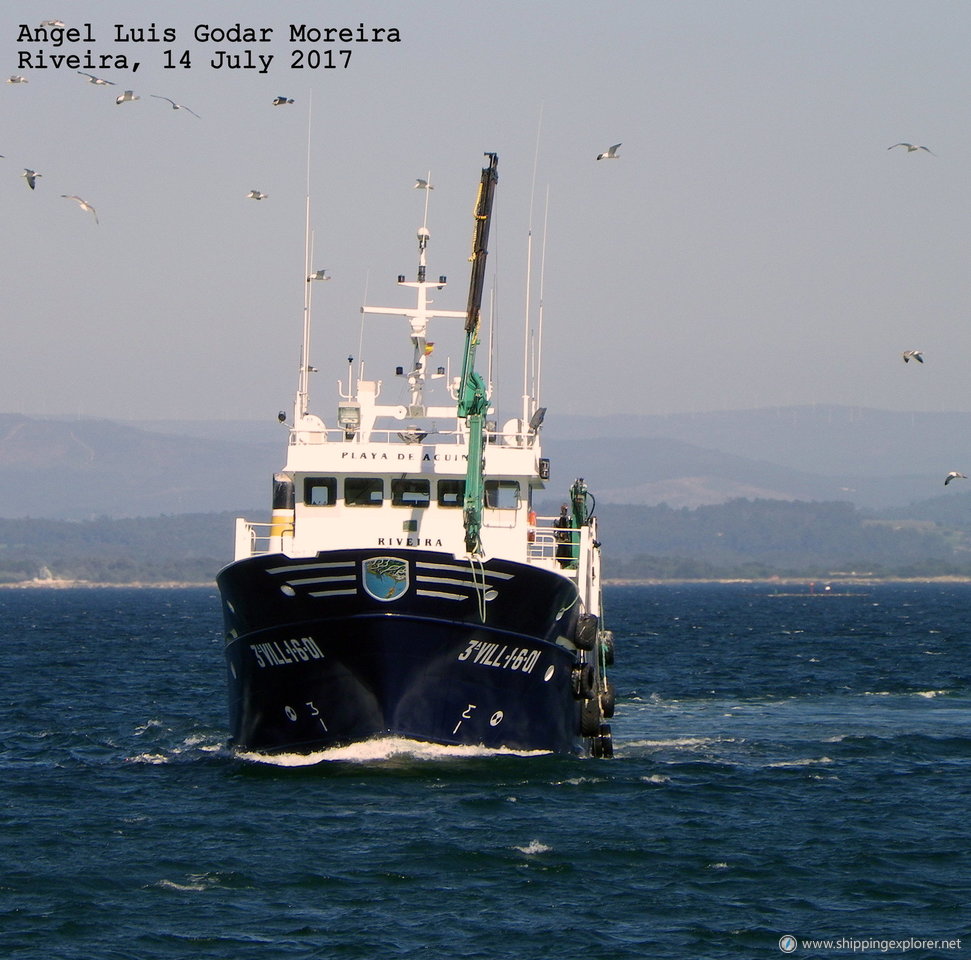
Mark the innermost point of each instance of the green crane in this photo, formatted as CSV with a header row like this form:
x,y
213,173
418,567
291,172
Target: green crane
x,y
473,400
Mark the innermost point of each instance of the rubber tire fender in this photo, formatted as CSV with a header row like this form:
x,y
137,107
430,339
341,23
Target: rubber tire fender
x,y
608,699
583,681
607,643
602,745
590,718
585,635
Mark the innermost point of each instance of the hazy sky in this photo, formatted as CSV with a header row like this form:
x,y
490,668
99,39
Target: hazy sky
x,y
756,244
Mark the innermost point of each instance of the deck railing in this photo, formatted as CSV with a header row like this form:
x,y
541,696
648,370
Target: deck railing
x,y
255,539
517,439
544,545
547,542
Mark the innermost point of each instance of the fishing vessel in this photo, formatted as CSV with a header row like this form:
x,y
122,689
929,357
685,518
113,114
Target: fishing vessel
x,y
404,585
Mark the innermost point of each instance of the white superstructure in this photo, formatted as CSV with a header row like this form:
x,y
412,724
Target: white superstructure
x,y
393,475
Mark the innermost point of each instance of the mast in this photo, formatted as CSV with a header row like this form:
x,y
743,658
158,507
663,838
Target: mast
x,y
538,358
301,403
529,397
473,401
418,316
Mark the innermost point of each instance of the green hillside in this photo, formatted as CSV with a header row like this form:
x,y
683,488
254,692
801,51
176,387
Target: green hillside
x,y
741,538
184,548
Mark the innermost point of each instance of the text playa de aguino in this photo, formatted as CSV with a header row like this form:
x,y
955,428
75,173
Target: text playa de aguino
x,y
234,34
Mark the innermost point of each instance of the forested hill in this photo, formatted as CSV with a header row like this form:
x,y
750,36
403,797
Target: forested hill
x,y
77,469
183,548
761,538
754,538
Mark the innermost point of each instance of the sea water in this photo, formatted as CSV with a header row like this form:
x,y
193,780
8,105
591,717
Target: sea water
x,y
792,776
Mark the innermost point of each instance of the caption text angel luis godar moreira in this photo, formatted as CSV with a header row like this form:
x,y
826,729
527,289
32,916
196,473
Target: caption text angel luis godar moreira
x,y
234,46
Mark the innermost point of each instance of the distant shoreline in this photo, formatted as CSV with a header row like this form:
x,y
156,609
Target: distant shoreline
x,y
57,584
818,585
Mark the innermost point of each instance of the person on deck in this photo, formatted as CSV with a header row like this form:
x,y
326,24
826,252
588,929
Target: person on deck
x,y
564,539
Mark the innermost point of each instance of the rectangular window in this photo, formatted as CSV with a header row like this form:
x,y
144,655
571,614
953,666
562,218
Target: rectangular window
x,y
363,491
502,494
451,493
410,493
319,491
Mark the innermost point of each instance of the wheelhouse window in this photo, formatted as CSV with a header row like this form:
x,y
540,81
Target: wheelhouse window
x,y
451,493
410,493
502,494
320,491
363,491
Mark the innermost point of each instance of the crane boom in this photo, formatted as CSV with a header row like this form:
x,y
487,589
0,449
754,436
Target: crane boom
x,y
473,400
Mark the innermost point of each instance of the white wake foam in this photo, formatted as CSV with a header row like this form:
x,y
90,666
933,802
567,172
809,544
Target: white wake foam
x,y
383,749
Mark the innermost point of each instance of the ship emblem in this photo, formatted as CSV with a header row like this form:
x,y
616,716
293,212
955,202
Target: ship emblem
x,y
385,578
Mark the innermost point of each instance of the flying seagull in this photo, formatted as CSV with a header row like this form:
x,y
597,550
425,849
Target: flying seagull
x,y
909,355
30,176
611,153
16,79
83,204
126,97
256,195
52,23
319,275
911,147
954,475
97,80
423,185
280,101
175,106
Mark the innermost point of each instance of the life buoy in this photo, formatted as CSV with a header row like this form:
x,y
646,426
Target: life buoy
x,y
531,530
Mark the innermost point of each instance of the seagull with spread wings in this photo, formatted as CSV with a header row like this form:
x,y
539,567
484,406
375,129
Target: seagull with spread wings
x,y
83,204
610,153
175,106
97,81
911,147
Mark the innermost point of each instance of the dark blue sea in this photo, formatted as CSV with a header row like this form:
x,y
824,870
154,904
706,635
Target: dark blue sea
x,y
787,765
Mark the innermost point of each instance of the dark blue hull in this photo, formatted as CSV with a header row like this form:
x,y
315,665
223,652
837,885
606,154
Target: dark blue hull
x,y
356,644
